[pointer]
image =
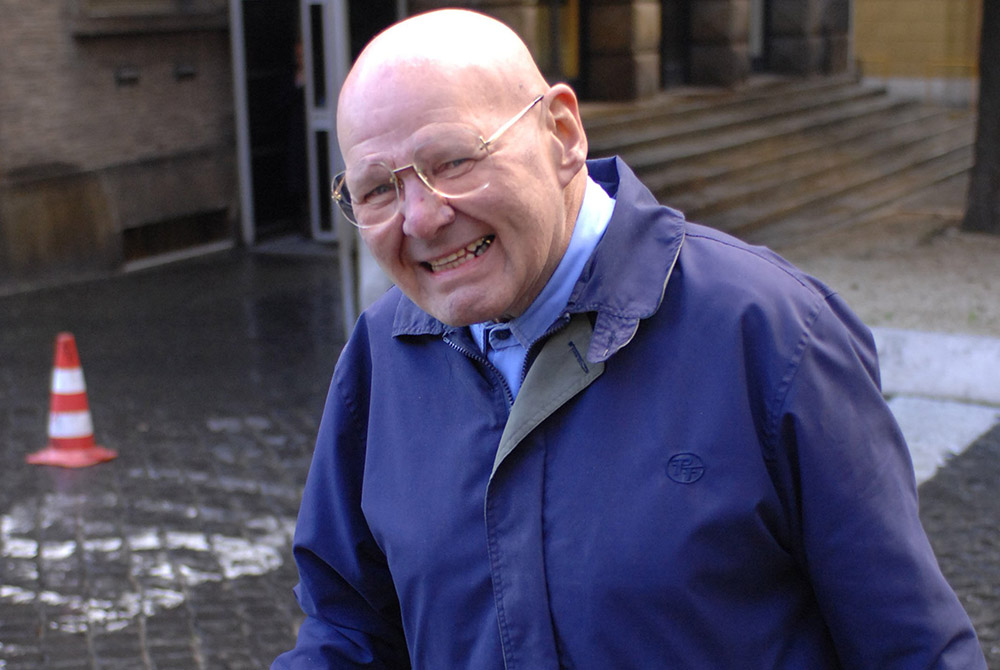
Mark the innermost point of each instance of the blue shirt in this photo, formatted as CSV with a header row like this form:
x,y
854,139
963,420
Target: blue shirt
x,y
506,344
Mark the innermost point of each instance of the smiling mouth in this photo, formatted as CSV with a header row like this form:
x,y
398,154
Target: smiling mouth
x,y
462,256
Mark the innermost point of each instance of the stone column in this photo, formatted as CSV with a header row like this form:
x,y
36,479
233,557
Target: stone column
x,y
720,34
835,26
809,36
622,49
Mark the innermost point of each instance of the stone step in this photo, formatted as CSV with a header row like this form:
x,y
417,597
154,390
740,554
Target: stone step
x,y
781,159
801,169
741,158
933,160
860,205
653,157
651,134
600,117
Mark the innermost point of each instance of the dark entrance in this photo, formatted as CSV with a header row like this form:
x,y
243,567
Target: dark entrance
x,y
276,105
675,42
276,117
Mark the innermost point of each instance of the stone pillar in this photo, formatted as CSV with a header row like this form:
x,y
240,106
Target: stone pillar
x,y
809,36
720,34
622,49
835,25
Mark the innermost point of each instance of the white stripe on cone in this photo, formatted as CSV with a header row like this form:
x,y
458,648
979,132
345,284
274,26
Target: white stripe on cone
x,y
67,380
70,424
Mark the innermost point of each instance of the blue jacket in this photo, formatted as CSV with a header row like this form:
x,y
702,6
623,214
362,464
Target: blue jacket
x,y
699,472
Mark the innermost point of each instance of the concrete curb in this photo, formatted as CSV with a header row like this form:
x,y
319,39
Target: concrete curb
x,y
944,391
963,368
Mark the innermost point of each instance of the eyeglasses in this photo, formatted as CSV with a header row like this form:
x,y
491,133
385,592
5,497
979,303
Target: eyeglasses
x,y
453,165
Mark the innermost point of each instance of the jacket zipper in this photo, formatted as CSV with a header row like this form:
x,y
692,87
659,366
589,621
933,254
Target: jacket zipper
x,y
477,355
480,357
529,358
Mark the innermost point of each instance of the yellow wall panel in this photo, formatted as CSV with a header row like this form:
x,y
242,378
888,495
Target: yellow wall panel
x,y
917,38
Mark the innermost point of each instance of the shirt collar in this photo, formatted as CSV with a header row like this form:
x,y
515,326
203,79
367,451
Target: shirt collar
x,y
591,222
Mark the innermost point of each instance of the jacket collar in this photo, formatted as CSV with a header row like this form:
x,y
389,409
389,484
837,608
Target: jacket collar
x,y
625,279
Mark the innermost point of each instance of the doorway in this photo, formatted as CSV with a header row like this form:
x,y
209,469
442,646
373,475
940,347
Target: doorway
x,y
288,61
275,115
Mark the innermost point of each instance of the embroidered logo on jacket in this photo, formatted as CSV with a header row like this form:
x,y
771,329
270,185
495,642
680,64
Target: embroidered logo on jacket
x,y
685,468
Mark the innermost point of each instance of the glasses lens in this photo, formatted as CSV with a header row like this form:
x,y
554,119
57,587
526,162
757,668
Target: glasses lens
x,y
368,195
342,196
455,165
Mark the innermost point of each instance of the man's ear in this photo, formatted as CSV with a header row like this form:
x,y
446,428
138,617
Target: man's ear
x,y
570,144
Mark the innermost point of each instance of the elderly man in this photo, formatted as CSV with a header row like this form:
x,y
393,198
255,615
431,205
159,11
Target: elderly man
x,y
582,432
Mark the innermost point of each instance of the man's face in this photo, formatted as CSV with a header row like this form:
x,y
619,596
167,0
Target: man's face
x,y
475,258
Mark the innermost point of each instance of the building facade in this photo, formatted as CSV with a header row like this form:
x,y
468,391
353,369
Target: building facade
x,y
115,133
629,49
923,48
132,131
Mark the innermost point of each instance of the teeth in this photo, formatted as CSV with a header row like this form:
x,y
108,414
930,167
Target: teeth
x,y
461,256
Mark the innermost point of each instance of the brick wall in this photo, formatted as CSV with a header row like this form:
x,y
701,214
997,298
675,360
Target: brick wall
x,y
106,125
91,102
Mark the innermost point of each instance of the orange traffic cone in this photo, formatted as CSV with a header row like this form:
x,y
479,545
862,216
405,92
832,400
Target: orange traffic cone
x,y
71,431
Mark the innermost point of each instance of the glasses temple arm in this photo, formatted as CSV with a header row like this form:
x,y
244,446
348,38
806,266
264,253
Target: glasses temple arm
x,y
502,129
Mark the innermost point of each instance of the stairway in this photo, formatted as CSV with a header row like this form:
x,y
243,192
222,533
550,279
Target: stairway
x,y
779,159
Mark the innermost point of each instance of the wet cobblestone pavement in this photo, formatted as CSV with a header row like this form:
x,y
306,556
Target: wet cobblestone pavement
x,y
208,377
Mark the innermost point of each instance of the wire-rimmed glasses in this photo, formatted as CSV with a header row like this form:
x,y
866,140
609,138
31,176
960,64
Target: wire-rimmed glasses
x,y
453,165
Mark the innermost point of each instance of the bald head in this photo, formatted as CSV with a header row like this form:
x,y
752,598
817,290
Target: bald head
x,y
450,49
484,53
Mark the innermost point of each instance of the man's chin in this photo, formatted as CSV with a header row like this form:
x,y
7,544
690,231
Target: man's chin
x,y
461,314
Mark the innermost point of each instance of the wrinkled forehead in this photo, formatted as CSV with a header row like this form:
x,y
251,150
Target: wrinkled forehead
x,y
393,109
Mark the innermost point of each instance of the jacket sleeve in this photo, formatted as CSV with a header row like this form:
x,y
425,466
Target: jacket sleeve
x,y
345,588
845,472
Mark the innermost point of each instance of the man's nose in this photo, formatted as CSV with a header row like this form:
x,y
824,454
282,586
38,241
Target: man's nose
x,y
424,210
